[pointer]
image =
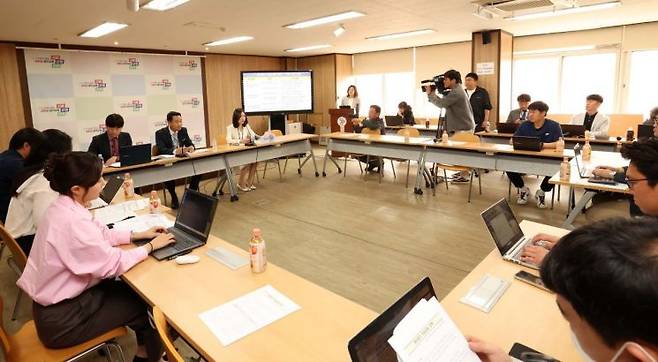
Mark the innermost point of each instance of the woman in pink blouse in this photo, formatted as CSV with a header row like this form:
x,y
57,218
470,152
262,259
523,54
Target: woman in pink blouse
x,y
70,273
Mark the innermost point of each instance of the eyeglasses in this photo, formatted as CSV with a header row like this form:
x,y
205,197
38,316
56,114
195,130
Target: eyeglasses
x,y
631,182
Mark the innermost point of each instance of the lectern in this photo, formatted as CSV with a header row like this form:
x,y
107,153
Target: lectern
x,y
336,113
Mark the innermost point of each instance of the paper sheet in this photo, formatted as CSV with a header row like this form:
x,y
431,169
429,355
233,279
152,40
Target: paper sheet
x,y
117,212
427,334
144,222
244,315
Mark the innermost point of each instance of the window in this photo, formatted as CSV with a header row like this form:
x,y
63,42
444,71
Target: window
x,y
642,78
583,75
538,77
385,90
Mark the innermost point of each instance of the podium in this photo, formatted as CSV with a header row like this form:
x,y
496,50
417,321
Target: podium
x,y
335,113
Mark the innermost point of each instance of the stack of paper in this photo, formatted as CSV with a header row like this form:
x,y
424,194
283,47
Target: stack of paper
x,y
428,334
244,315
118,212
144,222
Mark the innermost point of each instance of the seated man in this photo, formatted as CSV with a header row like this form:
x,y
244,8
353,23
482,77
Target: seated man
x,y
11,162
373,122
173,140
604,277
594,121
549,132
642,178
520,114
110,142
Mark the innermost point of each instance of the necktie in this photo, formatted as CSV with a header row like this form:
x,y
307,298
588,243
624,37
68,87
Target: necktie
x,y
114,145
523,115
174,139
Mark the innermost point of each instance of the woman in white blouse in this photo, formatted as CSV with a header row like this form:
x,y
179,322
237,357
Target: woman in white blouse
x,y
31,192
351,100
239,132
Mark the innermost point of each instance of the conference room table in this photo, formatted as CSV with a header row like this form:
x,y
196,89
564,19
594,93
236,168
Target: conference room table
x,y
222,157
424,131
524,314
607,144
575,181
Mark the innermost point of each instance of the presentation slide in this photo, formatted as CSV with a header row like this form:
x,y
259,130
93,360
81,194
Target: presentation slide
x,y
277,92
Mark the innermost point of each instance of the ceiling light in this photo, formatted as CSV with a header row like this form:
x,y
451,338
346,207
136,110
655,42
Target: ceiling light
x,y
162,5
402,35
116,43
236,39
483,13
102,29
556,50
339,31
325,20
312,47
573,10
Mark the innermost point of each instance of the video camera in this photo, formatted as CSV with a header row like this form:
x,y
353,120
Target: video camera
x,y
436,84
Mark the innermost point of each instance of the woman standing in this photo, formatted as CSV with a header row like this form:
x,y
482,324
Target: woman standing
x,y
70,273
239,132
404,111
351,100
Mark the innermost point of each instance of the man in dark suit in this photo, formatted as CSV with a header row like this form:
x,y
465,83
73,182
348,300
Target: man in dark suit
x,y
110,142
174,140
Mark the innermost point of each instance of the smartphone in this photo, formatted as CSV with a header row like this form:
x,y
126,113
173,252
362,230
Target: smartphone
x,y
531,279
525,354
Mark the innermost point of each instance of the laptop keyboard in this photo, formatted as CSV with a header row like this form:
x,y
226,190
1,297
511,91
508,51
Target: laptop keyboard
x,y
182,240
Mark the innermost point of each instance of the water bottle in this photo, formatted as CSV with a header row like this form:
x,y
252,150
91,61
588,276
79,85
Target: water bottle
x,y
154,203
565,170
587,151
630,134
100,157
257,257
559,146
444,137
128,186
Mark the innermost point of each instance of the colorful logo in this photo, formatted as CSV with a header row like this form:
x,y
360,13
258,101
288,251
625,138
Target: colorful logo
x,y
189,64
98,84
196,138
61,109
94,130
135,105
132,63
55,61
193,102
163,84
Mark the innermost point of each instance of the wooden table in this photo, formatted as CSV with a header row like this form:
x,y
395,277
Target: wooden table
x,y
524,314
599,158
607,144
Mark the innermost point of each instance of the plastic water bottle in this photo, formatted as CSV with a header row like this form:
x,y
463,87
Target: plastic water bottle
x,y
587,151
128,186
444,137
154,203
257,255
559,146
565,170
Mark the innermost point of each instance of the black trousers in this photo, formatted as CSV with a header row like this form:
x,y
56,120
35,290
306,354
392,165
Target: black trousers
x,y
25,242
171,185
372,162
97,310
517,180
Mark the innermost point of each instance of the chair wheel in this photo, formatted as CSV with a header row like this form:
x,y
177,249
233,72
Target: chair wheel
x,y
324,174
214,194
340,171
317,174
235,198
221,193
418,191
299,171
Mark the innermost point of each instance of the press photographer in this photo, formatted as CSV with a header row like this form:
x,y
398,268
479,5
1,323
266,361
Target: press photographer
x,y
459,116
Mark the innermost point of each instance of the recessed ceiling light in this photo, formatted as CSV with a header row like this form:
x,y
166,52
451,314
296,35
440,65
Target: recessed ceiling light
x,y
339,31
325,20
236,39
163,5
102,29
402,35
312,47
573,10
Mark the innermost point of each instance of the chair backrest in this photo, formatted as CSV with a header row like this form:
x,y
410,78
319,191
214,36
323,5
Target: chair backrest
x,y
366,130
221,140
409,132
161,325
4,337
19,256
277,133
465,137
155,151
620,123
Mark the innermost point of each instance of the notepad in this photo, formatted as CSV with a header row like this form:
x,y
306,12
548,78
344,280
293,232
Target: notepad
x,y
144,222
242,316
486,293
117,212
232,260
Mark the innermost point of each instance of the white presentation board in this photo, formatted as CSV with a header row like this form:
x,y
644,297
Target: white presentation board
x,y
277,92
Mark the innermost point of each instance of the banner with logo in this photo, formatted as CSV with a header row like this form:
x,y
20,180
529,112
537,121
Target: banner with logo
x,y
74,91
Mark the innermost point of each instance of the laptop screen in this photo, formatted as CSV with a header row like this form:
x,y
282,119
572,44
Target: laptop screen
x,y
196,214
371,344
502,225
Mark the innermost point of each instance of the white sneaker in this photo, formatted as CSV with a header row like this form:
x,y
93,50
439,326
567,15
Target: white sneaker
x,y
524,194
541,199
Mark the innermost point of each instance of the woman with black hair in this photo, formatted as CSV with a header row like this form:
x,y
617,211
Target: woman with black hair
x,y
71,272
31,192
239,132
404,111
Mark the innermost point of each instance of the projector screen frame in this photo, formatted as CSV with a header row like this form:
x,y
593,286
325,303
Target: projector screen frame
x,y
290,111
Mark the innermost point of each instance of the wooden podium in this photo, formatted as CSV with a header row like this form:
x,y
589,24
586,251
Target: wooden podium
x,y
336,113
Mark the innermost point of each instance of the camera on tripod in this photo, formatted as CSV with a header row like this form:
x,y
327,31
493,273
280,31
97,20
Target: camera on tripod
x,y
436,84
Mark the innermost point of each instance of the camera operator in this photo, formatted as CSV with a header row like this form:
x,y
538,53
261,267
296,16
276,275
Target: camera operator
x,y
459,115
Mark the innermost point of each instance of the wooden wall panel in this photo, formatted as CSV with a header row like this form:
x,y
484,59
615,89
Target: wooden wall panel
x,y
222,78
324,88
485,53
344,71
11,101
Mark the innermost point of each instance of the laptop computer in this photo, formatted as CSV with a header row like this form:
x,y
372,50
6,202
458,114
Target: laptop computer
x,y
110,190
507,127
573,130
192,226
506,232
524,143
587,171
393,121
371,344
644,131
135,155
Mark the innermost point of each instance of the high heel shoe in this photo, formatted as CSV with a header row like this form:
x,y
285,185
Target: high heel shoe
x,y
244,189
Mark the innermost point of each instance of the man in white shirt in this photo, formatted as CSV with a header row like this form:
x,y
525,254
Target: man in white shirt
x,y
594,121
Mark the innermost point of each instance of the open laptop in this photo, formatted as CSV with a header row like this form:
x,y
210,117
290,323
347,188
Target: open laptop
x,y
524,143
644,131
110,190
507,127
192,226
587,171
393,121
506,232
573,130
135,155
371,344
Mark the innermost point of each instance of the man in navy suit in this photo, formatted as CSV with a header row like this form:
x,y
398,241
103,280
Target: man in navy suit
x,y
174,140
110,142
